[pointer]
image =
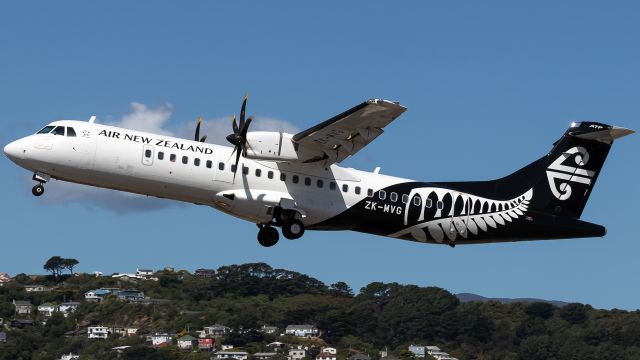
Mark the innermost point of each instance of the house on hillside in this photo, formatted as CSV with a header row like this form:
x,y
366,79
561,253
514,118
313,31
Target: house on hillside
x,y
23,307
236,355
37,288
47,309
161,340
264,356
329,350
360,357
98,332
4,278
68,307
187,342
276,345
69,356
206,344
144,273
22,323
205,273
269,329
97,295
3,337
216,330
130,295
301,330
326,356
417,350
296,354
127,277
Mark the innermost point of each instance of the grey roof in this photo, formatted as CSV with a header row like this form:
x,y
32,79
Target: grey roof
x,y
360,357
265,354
300,327
22,302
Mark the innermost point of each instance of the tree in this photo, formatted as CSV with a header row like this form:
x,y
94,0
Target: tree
x,y
341,288
55,265
69,264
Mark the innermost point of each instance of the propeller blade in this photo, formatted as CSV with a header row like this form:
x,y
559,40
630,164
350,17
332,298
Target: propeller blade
x,y
237,160
242,111
243,130
198,128
235,126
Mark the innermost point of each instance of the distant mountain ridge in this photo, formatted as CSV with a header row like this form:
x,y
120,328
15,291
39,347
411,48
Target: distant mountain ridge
x,y
467,297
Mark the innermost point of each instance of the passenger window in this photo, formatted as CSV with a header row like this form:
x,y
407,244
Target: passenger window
x,y
428,203
393,197
357,190
221,166
417,201
233,168
147,153
258,172
71,132
209,164
196,162
320,183
59,130
370,192
185,160
45,130
270,174
405,198
245,170
295,179
307,181
440,205
160,155
283,177
332,185
345,187
172,158
382,194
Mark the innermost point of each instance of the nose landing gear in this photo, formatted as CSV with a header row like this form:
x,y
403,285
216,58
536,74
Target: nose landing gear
x,y
38,190
41,179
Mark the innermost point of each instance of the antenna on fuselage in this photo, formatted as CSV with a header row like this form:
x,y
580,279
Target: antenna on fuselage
x,y
92,119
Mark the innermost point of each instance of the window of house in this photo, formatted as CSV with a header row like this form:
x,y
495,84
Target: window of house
x,y
59,130
417,201
172,158
393,197
233,168
147,153
428,203
295,179
357,190
245,170
320,183
196,161
440,205
71,132
160,155
345,187
258,172
307,181
283,177
209,164
382,194
220,166
332,185
370,192
270,174
405,198
185,160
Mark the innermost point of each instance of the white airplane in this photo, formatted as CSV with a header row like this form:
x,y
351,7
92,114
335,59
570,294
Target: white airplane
x,y
292,181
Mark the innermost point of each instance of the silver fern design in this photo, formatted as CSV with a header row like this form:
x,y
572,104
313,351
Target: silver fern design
x,y
478,214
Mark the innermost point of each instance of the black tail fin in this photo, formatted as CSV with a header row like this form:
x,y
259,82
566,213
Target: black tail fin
x,y
563,179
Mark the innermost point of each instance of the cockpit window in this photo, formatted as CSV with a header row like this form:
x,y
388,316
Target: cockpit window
x,y
59,130
45,130
71,132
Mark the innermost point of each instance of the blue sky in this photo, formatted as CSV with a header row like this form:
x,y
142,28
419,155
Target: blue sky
x,y
489,87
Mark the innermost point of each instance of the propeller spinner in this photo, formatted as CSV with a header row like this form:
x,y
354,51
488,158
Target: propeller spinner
x,y
239,136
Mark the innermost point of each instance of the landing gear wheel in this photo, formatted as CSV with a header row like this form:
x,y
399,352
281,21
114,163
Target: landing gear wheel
x,y
268,236
37,190
293,229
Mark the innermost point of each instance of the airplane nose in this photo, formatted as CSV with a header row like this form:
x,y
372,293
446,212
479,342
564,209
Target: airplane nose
x,y
12,150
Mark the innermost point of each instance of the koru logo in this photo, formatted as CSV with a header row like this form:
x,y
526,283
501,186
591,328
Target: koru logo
x,y
567,174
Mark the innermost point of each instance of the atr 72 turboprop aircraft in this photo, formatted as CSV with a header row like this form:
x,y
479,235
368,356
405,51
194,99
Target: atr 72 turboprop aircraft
x,y
292,181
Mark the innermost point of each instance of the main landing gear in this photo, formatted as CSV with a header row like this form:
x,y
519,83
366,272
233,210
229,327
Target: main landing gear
x,y
292,227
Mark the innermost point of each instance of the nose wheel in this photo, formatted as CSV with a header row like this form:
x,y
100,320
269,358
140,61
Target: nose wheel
x,y
267,235
38,190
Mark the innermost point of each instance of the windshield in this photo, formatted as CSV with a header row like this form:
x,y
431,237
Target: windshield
x,y
45,130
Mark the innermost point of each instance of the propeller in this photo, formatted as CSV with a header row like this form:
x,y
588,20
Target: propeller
x,y
197,138
239,136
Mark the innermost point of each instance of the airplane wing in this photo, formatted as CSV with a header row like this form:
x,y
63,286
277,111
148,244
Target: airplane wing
x,y
345,134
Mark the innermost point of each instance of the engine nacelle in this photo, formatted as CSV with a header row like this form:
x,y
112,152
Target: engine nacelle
x,y
271,145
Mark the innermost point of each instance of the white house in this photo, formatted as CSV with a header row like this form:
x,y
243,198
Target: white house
x,y
23,307
187,342
216,330
296,354
4,278
301,330
224,347
68,307
329,350
47,309
161,339
237,355
97,295
37,288
264,355
98,332
326,356
144,273
268,329
69,356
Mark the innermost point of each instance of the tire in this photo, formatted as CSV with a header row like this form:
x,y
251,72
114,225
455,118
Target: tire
x,y
268,236
37,190
293,229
